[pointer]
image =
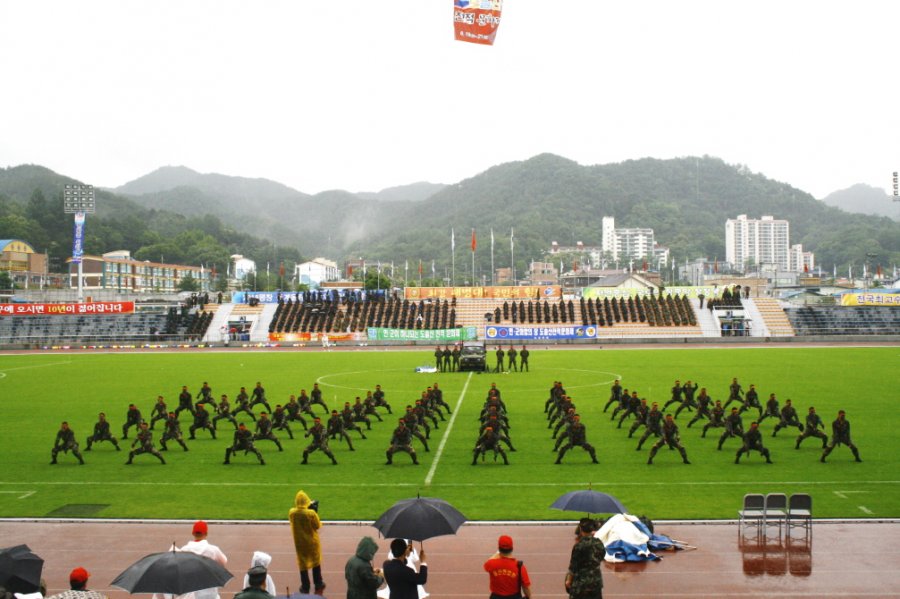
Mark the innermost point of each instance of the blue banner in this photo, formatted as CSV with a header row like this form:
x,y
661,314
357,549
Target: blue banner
x,y
264,297
495,333
78,238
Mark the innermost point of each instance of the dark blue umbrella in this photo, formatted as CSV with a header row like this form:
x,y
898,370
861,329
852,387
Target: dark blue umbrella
x,y
419,519
20,569
175,572
589,501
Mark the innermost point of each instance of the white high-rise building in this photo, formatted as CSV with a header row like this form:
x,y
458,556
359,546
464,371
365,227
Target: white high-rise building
x,y
626,244
757,242
802,261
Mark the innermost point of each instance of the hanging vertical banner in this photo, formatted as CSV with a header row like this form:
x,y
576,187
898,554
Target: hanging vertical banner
x,y
78,238
476,21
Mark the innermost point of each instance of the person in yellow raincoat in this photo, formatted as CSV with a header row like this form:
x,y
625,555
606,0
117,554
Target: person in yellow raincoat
x,y
305,526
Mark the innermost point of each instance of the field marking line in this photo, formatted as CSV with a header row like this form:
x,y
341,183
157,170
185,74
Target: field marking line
x,y
4,370
577,484
866,510
21,494
843,494
446,435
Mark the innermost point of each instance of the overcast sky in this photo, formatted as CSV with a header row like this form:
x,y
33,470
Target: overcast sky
x,y
363,95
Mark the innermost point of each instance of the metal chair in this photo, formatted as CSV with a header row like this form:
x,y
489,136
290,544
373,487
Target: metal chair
x,y
775,512
799,513
752,514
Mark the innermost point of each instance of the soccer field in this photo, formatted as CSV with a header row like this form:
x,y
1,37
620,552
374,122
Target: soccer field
x,y
41,390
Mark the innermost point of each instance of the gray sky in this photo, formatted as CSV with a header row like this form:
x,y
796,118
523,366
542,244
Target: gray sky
x,y
363,95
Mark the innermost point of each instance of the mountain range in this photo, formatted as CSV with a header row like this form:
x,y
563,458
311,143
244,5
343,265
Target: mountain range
x,y
543,199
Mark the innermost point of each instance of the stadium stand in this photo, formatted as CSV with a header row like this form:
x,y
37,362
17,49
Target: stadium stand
x,y
844,320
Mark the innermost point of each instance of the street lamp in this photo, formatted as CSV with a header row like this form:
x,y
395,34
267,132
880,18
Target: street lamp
x,y
78,200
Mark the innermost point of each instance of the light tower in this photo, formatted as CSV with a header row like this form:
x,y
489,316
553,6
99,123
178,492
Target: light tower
x,y
78,200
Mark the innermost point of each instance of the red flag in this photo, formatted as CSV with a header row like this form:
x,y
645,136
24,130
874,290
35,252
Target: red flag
x,y
281,270
420,267
878,271
716,265
474,244
644,266
574,265
805,268
350,270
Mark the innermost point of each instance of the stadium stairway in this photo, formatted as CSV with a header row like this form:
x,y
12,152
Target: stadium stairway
x,y
773,315
709,324
759,327
260,331
214,332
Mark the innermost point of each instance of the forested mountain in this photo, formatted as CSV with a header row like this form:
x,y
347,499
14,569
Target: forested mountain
x,y
864,199
546,198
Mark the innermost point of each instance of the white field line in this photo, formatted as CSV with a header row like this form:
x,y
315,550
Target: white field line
x,y
579,484
865,509
35,366
21,494
446,435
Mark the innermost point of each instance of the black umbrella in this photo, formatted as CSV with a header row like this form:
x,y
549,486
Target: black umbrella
x,y
20,569
175,572
589,501
419,519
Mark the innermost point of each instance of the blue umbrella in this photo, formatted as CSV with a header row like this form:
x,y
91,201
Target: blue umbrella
x,y
589,501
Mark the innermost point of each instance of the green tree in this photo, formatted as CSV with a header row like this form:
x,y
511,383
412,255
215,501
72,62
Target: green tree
x,y
188,283
5,281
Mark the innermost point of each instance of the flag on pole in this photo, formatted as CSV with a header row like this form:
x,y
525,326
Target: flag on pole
x,y
452,240
716,265
474,243
834,276
432,267
281,269
420,268
492,239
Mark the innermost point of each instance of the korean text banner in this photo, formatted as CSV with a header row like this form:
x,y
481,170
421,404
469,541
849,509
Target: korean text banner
x,y
78,238
476,21
264,297
499,292
492,333
66,309
871,298
285,337
440,335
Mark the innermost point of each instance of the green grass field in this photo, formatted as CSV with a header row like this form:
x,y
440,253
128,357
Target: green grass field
x,y
39,391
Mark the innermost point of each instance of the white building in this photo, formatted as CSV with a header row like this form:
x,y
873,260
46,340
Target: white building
x,y
801,261
626,244
752,242
316,271
241,267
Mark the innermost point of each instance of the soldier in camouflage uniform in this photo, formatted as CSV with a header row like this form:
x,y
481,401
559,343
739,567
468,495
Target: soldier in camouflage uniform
x,y
185,401
640,419
280,421
751,400
259,397
205,395
670,438
716,418
677,390
336,428
132,418
201,421
359,412
489,440
704,404
840,435
293,412
813,423
264,430
753,440
788,418
160,412
223,412
316,397
734,427
615,394
172,432
584,578
242,401
577,436
65,442
319,441
772,409
349,420
412,423
144,441
101,433
380,401
401,440
654,424
243,439
735,391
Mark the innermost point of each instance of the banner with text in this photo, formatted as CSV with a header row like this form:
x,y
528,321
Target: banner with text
x,y
708,291
78,238
316,337
872,298
264,297
66,309
476,21
510,293
439,335
494,333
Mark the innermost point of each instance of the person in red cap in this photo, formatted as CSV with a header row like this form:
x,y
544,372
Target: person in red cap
x,y
508,576
201,546
78,587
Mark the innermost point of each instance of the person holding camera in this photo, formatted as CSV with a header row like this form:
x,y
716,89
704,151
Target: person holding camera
x,y
362,579
305,526
584,579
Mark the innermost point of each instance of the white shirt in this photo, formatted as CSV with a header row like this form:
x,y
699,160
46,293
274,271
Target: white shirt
x,y
206,549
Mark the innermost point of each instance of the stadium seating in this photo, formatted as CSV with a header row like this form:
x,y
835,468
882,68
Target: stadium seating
x,y
844,320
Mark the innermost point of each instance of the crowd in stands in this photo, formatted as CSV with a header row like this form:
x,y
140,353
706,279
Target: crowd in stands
x,y
327,314
668,311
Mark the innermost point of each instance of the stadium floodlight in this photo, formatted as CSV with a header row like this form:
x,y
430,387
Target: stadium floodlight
x,y
78,200
896,189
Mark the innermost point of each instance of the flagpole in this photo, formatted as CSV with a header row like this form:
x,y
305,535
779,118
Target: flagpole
x,y
473,257
452,257
512,257
492,256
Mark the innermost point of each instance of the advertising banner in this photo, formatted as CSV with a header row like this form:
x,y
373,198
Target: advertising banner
x,y
476,21
708,291
499,292
316,337
872,298
264,297
66,309
78,238
495,333
439,335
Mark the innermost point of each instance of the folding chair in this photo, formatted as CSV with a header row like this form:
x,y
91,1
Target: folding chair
x,y
775,512
799,513
752,513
